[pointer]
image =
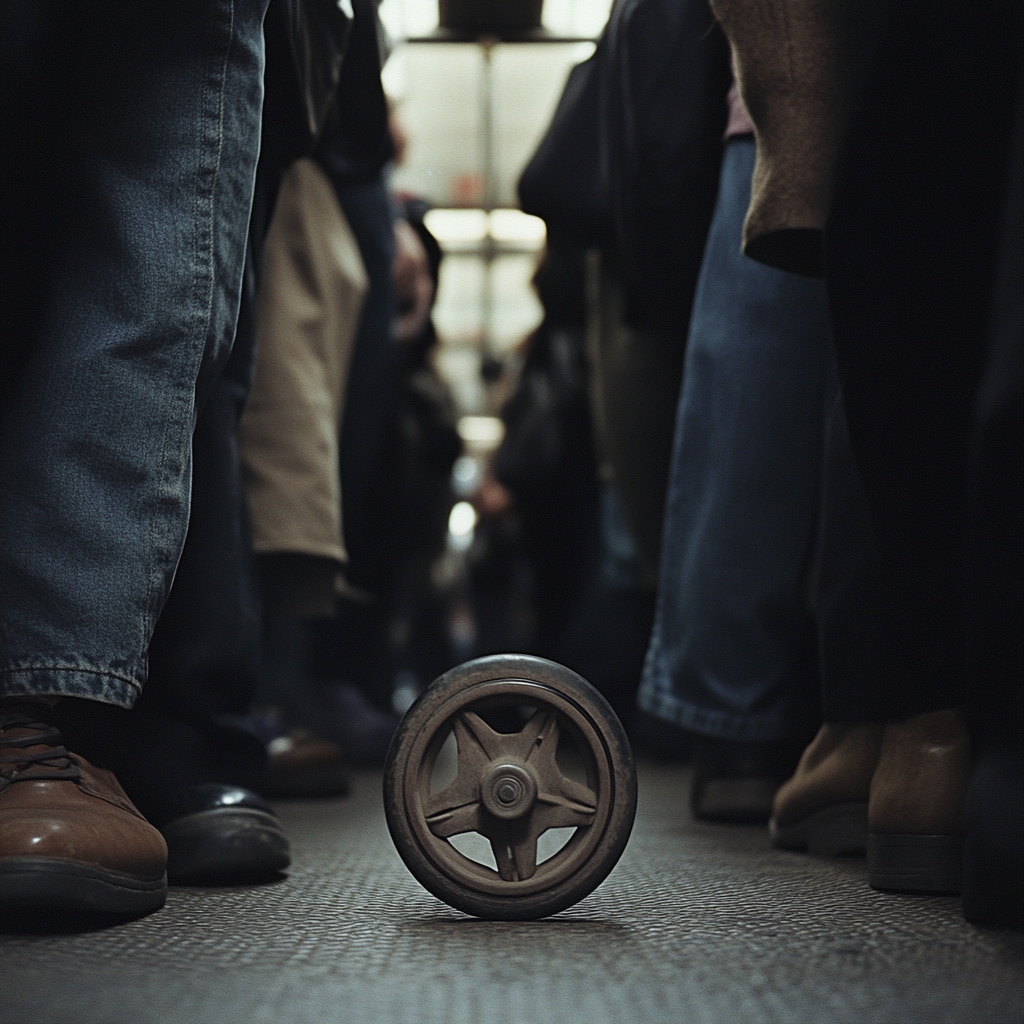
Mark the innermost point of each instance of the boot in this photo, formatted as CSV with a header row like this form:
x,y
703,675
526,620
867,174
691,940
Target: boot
x,y
916,806
823,808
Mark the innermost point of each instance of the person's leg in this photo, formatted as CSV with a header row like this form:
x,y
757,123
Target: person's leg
x,y
132,135
350,646
909,251
823,808
159,120
323,667
374,379
204,656
910,248
182,753
994,849
728,657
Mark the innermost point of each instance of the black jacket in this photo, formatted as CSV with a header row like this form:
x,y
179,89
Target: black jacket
x,y
630,161
665,109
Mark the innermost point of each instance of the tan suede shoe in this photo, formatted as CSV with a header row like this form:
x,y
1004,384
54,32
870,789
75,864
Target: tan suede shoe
x,y
823,808
916,811
70,838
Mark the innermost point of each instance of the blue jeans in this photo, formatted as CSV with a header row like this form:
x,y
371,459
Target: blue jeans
x,y
730,649
132,134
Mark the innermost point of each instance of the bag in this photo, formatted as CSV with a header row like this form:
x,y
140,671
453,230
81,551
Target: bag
x,y
547,419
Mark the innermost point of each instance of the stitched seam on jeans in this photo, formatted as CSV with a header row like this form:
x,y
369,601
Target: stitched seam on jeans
x,y
103,673
216,175
158,582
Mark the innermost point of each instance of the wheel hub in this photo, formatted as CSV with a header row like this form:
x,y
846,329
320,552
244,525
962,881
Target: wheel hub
x,y
508,790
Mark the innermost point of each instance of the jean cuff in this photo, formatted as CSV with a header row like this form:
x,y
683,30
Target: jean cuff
x,y
68,681
762,728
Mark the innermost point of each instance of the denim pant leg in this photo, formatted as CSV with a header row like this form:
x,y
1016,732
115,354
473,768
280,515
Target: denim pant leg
x,y
729,649
150,123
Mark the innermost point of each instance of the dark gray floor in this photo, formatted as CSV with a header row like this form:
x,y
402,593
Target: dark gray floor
x,y
697,923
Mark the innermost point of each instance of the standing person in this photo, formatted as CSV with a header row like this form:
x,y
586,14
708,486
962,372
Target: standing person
x,y
731,654
344,653
132,141
912,243
629,167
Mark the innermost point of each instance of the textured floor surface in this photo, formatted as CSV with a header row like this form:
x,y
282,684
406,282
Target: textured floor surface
x,y
697,923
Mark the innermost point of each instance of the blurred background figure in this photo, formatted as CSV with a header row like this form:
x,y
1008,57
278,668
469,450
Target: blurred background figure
x,y
350,438
546,459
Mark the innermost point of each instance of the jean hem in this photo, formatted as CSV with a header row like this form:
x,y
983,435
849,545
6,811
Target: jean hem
x,y
67,681
722,725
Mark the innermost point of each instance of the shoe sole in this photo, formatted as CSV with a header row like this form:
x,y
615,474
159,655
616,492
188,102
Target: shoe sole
x,y
836,831
42,882
916,864
225,846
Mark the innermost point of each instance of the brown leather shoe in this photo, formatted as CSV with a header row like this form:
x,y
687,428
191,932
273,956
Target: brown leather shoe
x,y
916,811
70,838
823,808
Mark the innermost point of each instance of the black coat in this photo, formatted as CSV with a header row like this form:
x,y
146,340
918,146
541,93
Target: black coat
x,y
665,111
630,162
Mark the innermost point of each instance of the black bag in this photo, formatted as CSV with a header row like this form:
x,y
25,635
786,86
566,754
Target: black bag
x,y
547,418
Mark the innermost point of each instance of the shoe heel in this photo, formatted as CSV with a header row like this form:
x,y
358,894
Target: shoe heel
x,y
923,864
841,830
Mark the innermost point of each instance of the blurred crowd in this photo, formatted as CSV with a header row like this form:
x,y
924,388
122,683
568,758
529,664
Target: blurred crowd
x,y
760,478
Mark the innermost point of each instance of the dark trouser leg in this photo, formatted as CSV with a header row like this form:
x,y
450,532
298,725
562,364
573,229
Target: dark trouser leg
x,y
910,245
846,588
994,875
350,647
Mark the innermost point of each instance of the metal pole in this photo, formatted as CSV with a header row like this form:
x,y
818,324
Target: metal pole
x,y
490,185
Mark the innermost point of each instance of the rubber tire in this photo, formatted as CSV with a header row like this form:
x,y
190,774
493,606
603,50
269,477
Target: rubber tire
x,y
587,701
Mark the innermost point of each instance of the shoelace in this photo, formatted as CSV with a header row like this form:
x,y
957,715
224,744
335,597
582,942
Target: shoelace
x,y
40,765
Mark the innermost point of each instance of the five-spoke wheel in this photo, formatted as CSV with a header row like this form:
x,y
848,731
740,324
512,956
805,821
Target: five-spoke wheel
x,y
510,747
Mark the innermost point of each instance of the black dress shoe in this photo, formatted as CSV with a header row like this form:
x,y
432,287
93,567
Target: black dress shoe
x,y
194,781
735,781
221,835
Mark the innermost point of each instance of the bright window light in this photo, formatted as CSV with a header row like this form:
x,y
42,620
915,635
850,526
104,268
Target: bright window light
x,y
457,227
486,431
404,18
516,226
462,519
460,228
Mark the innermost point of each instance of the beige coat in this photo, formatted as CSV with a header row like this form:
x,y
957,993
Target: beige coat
x,y
311,293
